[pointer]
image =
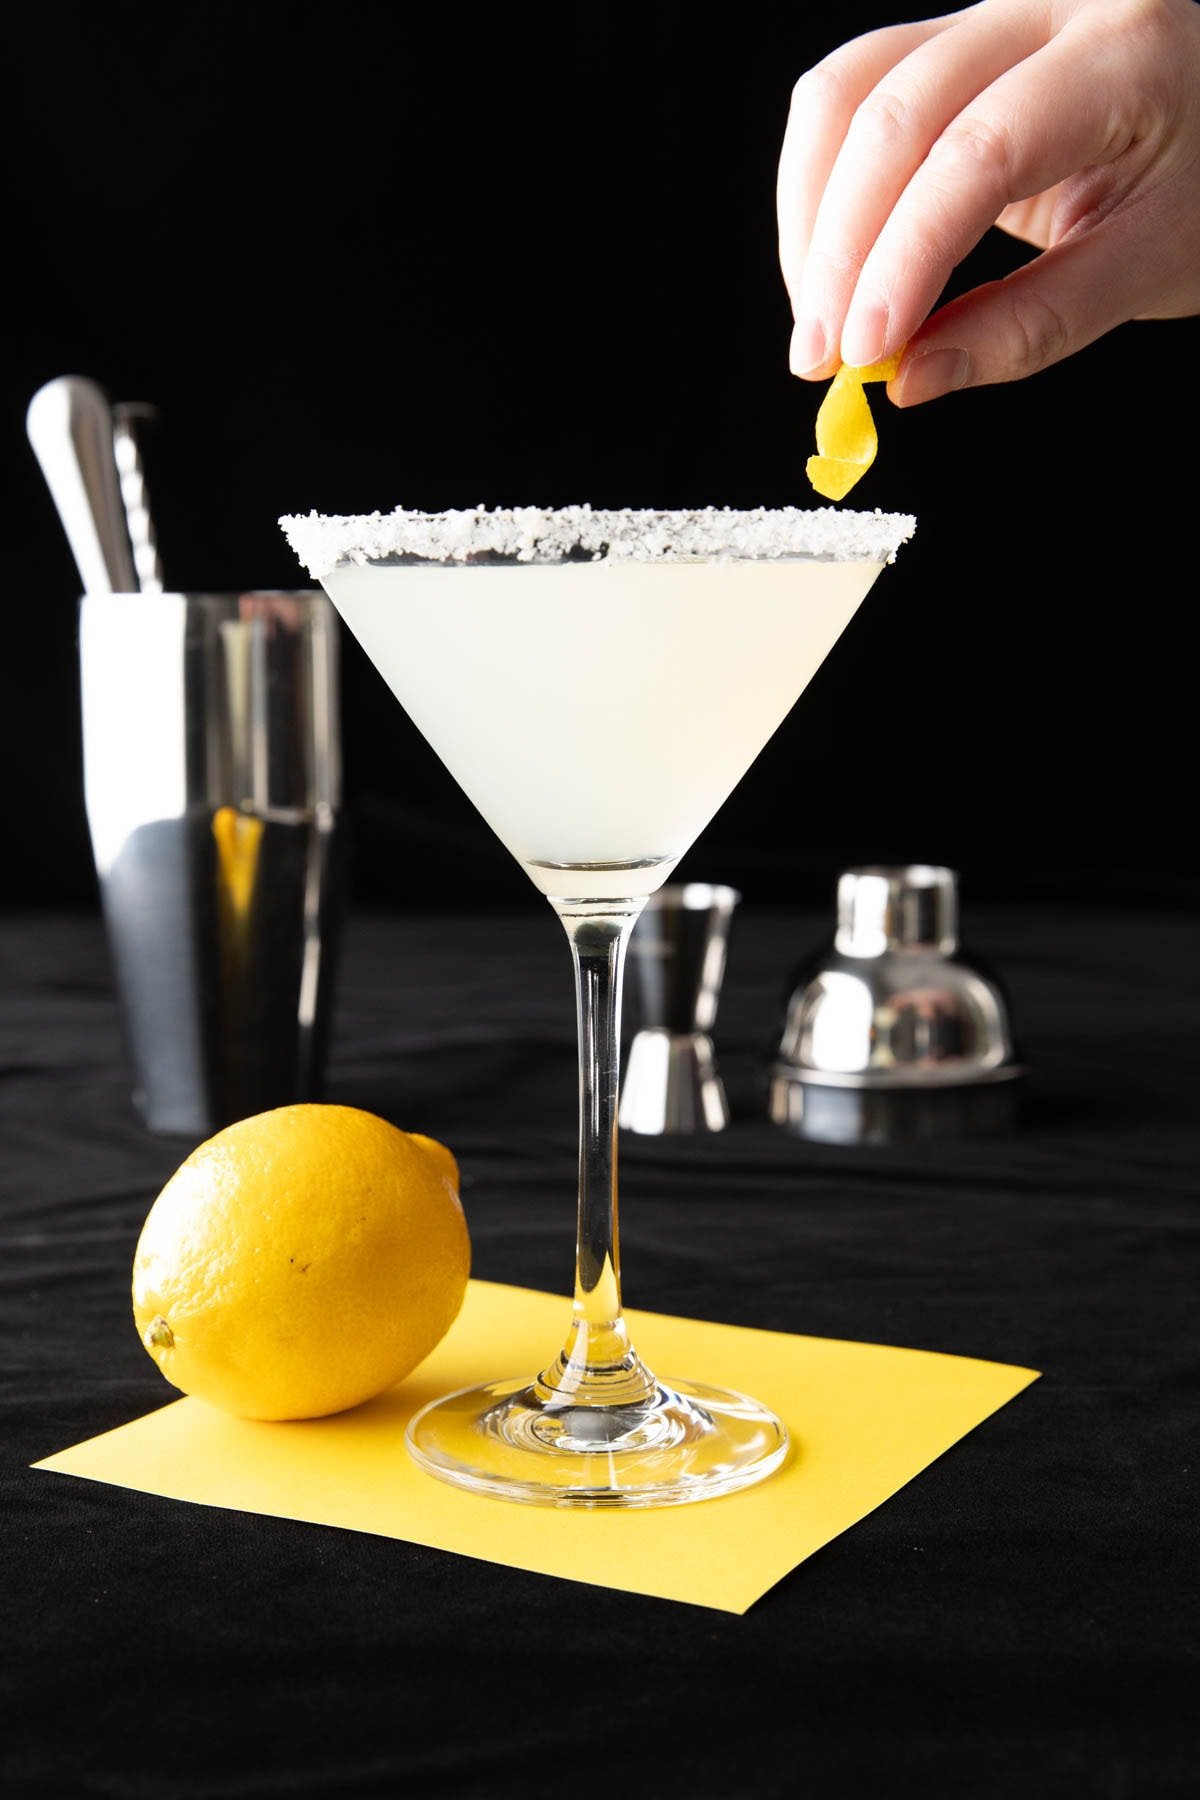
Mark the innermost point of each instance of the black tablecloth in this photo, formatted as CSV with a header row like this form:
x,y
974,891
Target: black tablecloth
x,y
1018,1620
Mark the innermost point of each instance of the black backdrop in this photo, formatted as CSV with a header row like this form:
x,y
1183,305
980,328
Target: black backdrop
x,y
375,255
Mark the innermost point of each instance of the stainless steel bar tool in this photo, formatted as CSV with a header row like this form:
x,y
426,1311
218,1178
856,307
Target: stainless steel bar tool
x,y
128,419
893,1032
212,781
70,425
677,958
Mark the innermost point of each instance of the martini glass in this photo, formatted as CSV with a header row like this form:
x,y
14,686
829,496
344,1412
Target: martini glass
x,y
597,683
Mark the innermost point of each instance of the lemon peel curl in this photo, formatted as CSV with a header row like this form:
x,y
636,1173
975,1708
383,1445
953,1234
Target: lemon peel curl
x,y
846,437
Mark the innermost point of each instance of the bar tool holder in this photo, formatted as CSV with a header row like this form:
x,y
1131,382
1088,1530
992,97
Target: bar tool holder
x,y
212,782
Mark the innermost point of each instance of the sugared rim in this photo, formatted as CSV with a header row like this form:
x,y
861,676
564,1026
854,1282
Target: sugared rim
x,y
542,534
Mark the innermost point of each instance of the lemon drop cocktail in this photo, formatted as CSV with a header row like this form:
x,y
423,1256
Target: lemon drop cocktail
x,y
598,683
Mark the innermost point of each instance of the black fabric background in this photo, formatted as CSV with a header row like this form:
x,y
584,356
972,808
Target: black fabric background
x,y
415,256
1020,1619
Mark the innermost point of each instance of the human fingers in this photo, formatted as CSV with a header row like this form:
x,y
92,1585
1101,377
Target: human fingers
x,y
1067,109
1123,235
884,140
824,102
1128,265
1094,137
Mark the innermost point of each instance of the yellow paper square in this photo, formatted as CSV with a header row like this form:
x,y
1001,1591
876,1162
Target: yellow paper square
x,y
864,1420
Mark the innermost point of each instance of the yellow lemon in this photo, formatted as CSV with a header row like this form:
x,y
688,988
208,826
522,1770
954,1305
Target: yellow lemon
x,y
301,1261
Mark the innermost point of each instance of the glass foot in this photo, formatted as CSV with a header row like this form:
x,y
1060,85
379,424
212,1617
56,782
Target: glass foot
x,y
686,1443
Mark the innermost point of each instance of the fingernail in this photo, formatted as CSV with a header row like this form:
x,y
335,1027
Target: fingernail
x,y
928,373
808,346
863,337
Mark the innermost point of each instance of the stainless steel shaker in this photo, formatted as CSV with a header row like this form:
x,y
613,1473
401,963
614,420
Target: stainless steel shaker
x,y
213,791
892,1033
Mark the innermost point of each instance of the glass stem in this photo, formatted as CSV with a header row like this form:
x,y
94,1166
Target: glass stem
x,y
597,1366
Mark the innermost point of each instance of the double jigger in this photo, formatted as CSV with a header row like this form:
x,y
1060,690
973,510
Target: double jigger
x,y
677,957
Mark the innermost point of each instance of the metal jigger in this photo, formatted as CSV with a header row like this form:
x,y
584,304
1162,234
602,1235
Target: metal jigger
x,y
677,952
893,1035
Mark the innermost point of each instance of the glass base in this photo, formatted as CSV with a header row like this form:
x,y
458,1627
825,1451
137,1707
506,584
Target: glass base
x,y
686,1443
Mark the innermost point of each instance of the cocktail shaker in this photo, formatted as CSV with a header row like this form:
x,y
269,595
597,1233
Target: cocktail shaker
x,y
212,782
892,1033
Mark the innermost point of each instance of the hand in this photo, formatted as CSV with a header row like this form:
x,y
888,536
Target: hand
x,y
1073,124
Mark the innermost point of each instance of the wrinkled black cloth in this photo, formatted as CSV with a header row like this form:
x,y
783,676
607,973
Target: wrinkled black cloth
x,y
1018,1620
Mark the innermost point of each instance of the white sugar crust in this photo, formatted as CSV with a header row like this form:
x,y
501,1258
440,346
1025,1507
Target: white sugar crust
x,y
541,534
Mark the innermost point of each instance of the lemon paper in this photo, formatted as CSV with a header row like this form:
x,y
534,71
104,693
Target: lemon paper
x,y
864,1420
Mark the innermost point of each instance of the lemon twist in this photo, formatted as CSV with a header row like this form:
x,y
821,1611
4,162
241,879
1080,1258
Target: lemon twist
x,y
846,436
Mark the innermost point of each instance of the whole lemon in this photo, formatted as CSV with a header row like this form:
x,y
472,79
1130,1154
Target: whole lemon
x,y
301,1261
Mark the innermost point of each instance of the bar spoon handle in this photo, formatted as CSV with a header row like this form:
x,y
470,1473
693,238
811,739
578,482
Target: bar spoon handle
x,y
70,426
127,451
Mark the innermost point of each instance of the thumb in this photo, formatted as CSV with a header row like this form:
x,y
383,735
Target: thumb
x,y
1053,306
